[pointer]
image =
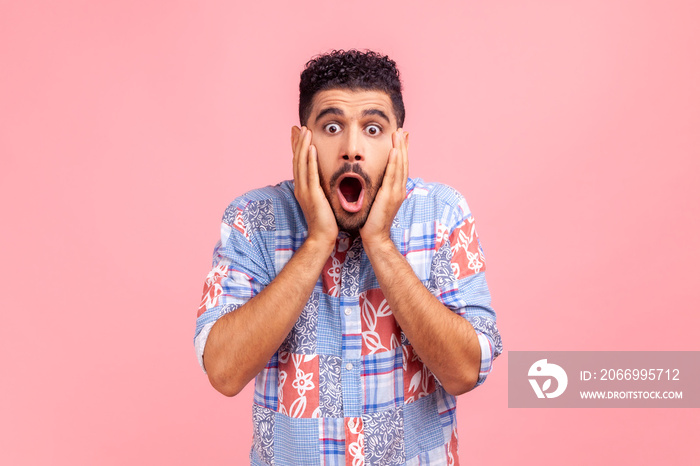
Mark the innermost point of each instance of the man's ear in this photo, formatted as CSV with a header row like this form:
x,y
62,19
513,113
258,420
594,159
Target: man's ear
x,y
295,136
406,132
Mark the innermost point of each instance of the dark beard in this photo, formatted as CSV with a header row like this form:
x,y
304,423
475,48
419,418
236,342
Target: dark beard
x,y
346,221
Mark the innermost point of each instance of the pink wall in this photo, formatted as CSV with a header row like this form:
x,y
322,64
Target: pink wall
x,y
127,127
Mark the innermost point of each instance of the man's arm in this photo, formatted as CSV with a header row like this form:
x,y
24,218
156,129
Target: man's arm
x,y
445,342
242,342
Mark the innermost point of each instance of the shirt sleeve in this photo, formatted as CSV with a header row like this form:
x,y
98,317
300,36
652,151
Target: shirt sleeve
x,y
457,278
239,266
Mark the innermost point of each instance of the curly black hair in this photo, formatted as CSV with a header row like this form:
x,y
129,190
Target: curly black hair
x,y
350,69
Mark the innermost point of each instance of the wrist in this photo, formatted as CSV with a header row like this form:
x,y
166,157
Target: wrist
x,y
321,244
378,245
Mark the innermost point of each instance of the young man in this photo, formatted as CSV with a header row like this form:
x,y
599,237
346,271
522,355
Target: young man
x,y
354,295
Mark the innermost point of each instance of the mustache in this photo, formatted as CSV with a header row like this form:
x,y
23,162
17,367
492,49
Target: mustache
x,y
351,168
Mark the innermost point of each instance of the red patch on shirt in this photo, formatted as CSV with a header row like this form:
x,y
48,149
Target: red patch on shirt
x,y
212,288
467,258
380,332
452,450
354,441
333,269
297,389
418,381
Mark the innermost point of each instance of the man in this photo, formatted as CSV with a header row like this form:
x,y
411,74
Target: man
x,y
355,296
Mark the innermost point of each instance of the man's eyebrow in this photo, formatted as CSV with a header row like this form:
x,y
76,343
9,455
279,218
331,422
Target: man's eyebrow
x,y
375,112
365,113
329,111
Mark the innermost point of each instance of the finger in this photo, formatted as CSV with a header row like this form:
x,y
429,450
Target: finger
x,y
406,144
401,148
297,140
296,132
300,141
303,160
401,158
404,157
396,147
297,148
297,179
399,183
313,167
399,161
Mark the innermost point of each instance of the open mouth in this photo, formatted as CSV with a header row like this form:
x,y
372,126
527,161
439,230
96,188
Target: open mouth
x,y
351,192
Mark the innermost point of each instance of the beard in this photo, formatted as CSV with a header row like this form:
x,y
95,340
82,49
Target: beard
x,y
350,222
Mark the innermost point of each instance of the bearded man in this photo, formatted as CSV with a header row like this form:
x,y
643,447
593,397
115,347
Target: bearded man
x,y
354,295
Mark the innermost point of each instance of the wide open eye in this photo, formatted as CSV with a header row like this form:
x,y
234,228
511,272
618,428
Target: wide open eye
x,y
373,130
332,128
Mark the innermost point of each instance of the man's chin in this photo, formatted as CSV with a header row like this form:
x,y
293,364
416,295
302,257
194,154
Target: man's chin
x,y
350,222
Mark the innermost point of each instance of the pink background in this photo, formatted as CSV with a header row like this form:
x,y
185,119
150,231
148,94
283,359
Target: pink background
x,y
127,127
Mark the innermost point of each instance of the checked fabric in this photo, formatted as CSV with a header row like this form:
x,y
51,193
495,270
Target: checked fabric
x,y
345,387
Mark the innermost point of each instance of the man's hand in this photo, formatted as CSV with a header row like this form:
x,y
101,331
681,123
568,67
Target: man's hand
x,y
322,226
391,195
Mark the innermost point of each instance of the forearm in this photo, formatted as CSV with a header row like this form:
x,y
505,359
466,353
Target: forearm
x,y
445,342
242,342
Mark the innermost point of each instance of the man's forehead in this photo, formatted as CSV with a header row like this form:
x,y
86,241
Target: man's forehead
x,y
352,102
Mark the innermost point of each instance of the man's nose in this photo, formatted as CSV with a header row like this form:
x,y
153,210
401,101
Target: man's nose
x,y
353,150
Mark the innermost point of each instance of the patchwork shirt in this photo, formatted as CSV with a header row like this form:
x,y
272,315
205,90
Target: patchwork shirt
x,y
346,387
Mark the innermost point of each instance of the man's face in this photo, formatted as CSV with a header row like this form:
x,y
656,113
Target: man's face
x,y
352,134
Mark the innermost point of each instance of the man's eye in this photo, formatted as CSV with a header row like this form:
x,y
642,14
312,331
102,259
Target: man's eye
x,y
373,130
332,128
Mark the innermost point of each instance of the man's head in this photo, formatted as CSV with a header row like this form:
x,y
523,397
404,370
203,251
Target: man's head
x,y
351,101
352,70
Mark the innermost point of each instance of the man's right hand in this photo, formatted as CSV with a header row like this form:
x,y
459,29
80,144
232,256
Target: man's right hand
x,y
320,220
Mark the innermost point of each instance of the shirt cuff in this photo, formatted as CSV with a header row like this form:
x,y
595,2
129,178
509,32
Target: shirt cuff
x,y
200,342
486,357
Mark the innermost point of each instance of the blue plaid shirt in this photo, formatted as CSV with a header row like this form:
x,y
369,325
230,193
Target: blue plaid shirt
x,y
346,386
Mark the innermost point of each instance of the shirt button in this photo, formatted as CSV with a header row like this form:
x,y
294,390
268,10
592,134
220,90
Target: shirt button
x,y
348,366
348,311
